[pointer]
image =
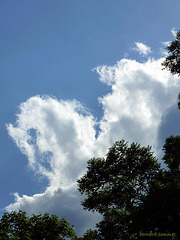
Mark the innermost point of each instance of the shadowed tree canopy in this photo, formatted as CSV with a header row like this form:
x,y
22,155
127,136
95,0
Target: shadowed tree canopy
x,y
116,185
19,226
161,209
172,153
120,180
132,192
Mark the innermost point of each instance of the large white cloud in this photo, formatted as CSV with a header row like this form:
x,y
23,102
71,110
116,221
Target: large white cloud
x,y
58,137
141,93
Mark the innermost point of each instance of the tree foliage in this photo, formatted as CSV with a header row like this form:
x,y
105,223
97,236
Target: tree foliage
x,y
132,192
90,235
172,61
172,153
17,225
161,207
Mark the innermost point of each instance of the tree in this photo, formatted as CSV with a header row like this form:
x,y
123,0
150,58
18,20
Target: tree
x,y
172,153
117,185
172,61
89,235
162,205
132,192
37,227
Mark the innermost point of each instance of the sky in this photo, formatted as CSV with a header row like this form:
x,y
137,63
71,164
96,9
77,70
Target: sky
x,y
76,76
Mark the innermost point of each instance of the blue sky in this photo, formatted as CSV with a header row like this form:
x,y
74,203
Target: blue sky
x,y
81,75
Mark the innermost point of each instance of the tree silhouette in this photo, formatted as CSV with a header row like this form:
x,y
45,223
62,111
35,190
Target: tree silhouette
x,y
132,192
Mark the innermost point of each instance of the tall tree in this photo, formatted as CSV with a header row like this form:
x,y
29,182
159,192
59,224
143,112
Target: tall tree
x,y
117,185
161,207
132,192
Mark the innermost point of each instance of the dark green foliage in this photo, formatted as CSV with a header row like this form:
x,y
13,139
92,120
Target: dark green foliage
x,y
15,226
117,185
37,227
160,210
90,235
172,153
121,180
161,207
172,61
131,191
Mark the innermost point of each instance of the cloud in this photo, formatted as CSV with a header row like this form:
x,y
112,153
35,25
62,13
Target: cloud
x,y
163,50
174,32
166,44
141,93
142,49
58,137
62,203
169,124
51,133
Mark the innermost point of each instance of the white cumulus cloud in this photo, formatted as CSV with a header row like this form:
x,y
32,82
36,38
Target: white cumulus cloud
x,y
163,50
58,137
141,93
55,136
